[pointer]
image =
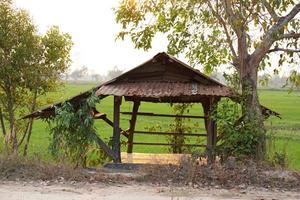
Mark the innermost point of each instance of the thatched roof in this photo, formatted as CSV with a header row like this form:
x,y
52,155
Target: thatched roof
x,y
163,78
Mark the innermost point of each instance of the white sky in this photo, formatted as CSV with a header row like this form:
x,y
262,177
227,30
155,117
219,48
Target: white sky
x,y
93,28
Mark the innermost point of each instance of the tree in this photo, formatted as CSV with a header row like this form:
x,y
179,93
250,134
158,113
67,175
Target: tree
x,y
30,65
97,77
52,61
79,73
243,33
113,73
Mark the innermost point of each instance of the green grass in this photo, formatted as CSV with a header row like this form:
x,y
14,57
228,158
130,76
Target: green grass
x,y
287,129
281,101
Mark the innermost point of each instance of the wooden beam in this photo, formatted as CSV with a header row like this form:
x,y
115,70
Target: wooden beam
x,y
168,144
135,108
116,130
170,133
99,115
164,115
104,146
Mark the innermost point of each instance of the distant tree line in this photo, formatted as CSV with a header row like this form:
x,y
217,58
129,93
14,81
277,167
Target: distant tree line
x,y
84,74
265,81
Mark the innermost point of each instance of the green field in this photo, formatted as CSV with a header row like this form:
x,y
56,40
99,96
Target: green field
x,y
285,130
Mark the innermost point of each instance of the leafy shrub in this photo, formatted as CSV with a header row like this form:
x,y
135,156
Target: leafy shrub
x,y
236,138
73,133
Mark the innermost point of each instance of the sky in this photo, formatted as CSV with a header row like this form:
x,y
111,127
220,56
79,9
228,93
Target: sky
x,y
93,28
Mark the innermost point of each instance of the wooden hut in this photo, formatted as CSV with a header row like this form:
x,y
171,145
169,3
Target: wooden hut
x,y
162,79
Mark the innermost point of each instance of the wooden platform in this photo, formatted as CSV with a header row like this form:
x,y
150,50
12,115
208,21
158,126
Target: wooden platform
x,y
150,158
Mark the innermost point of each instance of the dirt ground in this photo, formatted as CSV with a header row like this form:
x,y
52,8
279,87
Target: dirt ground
x,y
85,191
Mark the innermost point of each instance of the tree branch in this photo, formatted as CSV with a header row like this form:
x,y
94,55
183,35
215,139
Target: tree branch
x,y
237,23
289,36
231,16
285,50
270,10
223,23
271,36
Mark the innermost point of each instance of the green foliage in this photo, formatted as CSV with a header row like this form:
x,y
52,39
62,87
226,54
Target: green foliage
x,y
294,79
30,65
72,131
236,137
207,32
179,126
96,156
179,21
280,159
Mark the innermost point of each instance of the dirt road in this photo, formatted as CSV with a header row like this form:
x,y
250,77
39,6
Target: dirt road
x,y
81,191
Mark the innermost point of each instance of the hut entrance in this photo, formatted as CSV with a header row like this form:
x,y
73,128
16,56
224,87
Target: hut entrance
x,y
155,130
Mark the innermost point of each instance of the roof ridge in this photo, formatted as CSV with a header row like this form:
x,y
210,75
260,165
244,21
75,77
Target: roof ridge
x,y
172,58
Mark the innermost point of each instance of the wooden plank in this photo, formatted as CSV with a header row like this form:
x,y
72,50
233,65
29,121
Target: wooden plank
x,y
164,115
167,144
116,129
104,146
169,133
135,108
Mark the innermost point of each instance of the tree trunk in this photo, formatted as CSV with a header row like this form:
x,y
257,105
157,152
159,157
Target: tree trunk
x,y
12,137
2,123
30,123
24,135
251,108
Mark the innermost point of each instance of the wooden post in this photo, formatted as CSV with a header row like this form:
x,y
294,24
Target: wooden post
x,y
209,142
211,128
116,130
135,108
